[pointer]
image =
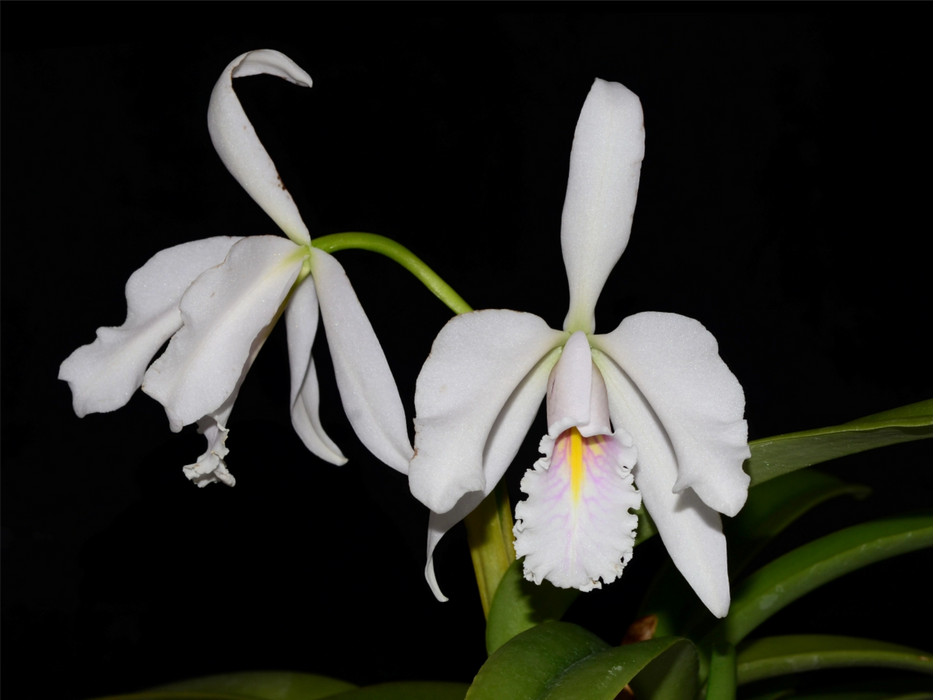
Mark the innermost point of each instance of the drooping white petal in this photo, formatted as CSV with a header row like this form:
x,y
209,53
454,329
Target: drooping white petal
x,y
104,374
301,317
239,147
226,314
438,526
367,389
691,531
506,437
477,361
605,163
575,527
675,363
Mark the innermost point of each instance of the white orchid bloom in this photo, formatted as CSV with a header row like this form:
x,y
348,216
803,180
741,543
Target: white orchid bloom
x,y
218,298
650,403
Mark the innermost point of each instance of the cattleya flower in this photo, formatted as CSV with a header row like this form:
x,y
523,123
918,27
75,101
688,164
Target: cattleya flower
x,y
650,405
218,299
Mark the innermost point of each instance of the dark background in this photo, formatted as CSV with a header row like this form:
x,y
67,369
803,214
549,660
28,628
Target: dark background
x,y
784,203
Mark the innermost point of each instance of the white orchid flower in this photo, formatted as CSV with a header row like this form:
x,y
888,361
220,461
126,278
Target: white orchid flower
x,y
218,299
650,405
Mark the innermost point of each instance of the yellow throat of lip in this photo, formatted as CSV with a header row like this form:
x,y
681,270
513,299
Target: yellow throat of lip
x,y
579,451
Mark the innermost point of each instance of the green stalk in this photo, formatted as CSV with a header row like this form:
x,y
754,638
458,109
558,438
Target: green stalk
x,y
401,255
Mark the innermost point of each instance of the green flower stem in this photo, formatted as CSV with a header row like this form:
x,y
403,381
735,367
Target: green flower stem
x,y
489,534
489,526
722,673
401,255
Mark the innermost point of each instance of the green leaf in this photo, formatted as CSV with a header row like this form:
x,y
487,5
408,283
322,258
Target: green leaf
x,y
263,685
776,656
525,666
798,572
773,506
408,690
603,675
520,605
778,455
769,510
557,661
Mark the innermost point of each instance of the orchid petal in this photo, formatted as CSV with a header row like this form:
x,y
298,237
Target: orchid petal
x,y
438,526
690,530
104,374
575,527
301,320
674,361
505,438
367,389
227,313
239,147
476,363
605,163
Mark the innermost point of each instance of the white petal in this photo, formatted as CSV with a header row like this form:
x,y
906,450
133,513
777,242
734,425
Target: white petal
x,y
367,388
675,363
690,530
476,363
438,526
239,147
575,527
104,374
605,163
227,313
505,438
301,317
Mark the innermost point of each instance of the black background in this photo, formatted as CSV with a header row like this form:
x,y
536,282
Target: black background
x,y
784,203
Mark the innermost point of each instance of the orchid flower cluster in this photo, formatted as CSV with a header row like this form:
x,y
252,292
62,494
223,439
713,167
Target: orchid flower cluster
x,y
647,414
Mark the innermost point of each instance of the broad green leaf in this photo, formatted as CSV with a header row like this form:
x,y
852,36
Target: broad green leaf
x,y
407,690
770,509
520,605
673,675
603,675
798,572
778,455
526,665
774,505
263,685
560,661
722,673
776,656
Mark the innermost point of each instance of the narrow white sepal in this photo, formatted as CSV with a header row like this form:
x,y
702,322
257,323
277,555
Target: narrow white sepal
x,y
227,313
239,147
605,165
674,361
367,388
104,374
438,526
505,438
691,531
476,363
301,321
